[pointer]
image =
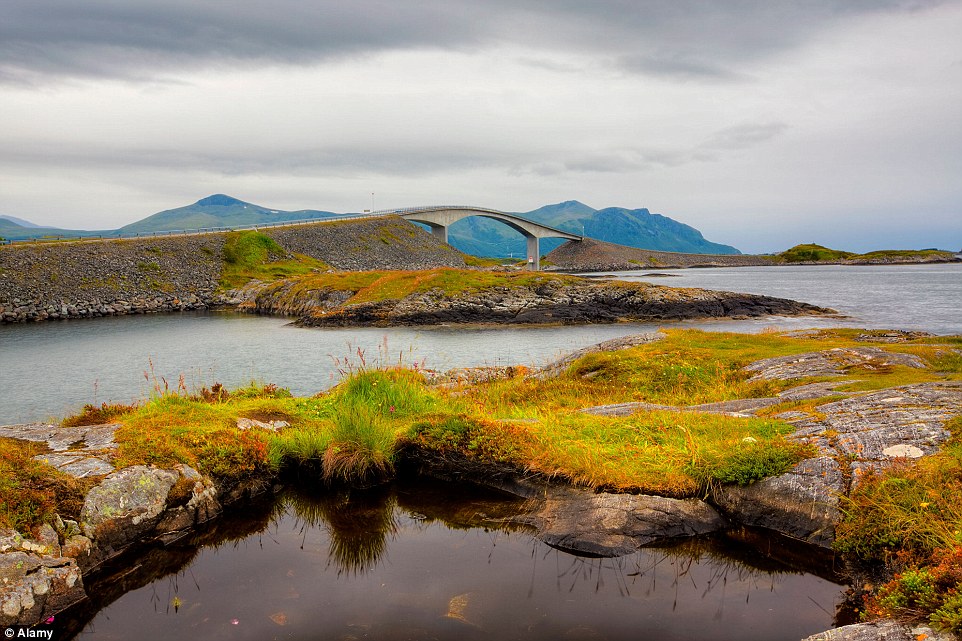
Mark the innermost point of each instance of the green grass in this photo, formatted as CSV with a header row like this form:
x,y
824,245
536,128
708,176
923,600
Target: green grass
x,y
251,255
31,492
909,519
813,252
354,431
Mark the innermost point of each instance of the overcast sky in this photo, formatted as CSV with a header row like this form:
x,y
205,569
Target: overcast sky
x,y
763,123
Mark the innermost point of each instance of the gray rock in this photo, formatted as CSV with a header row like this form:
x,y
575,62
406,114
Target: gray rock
x,y
126,504
831,362
202,505
32,586
617,524
802,503
78,451
884,630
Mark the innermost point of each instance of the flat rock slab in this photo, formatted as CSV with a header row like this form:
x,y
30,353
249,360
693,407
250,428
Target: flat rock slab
x,y
884,630
872,431
830,362
617,524
739,407
78,451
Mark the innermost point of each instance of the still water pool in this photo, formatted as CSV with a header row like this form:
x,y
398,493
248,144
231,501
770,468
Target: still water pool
x,y
434,561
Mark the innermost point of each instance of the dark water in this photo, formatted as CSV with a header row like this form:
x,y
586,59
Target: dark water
x,y
50,369
428,561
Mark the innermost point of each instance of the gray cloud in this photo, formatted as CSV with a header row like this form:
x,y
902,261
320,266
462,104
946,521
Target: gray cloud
x,y
48,39
744,136
402,162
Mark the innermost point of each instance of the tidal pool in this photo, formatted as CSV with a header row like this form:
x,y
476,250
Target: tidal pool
x,y
425,560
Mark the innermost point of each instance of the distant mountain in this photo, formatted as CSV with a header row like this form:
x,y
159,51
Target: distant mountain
x,y
479,236
632,227
23,223
218,211
13,228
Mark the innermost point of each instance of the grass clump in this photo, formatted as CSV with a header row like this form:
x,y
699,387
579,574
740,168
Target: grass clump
x,y
913,507
362,445
93,415
252,255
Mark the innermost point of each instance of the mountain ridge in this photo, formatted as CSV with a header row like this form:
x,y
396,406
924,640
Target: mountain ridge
x,y
476,235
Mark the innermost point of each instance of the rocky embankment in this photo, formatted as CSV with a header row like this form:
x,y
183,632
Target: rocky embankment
x,y
548,301
144,275
111,277
363,245
597,256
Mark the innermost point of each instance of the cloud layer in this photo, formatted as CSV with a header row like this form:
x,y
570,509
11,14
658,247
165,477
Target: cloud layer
x,y
757,122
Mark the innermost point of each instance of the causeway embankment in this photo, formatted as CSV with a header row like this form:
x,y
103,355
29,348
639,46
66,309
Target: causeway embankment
x,y
49,281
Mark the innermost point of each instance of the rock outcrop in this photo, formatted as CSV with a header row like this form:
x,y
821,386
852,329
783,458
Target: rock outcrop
x,y
881,631
593,524
551,301
43,574
864,432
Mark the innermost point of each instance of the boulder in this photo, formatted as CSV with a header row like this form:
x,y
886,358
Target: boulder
x,y
884,630
33,585
142,501
802,503
592,524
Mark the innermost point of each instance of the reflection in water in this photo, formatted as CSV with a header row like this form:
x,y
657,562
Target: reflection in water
x,y
427,560
358,523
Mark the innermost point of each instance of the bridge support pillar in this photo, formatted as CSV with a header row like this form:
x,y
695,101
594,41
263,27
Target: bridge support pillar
x,y
534,252
440,232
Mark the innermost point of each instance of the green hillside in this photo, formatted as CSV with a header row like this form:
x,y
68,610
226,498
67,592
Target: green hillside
x,y
812,252
632,227
218,211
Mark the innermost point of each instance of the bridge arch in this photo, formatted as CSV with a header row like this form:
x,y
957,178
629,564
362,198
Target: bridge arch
x,y
439,217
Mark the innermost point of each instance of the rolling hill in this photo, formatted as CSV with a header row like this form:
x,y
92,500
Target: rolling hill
x,y
218,211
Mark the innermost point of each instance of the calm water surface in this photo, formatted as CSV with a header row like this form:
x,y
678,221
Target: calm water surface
x,y
916,297
413,563
50,369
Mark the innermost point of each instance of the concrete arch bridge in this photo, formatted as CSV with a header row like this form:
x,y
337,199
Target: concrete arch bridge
x,y
440,217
